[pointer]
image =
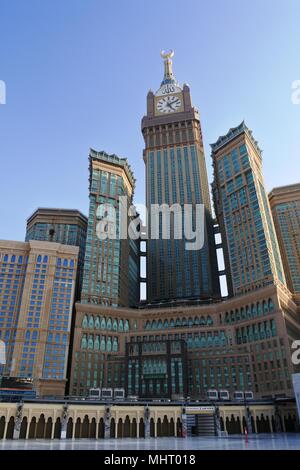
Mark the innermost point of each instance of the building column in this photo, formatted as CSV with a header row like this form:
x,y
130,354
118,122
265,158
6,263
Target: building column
x,y
5,429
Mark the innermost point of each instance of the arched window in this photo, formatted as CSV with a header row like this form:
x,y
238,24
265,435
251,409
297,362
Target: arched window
x,y
5,259
271,305
178,322
159,325
91,342
45,260
203,342
103,323
196,321
97,323
147,326
109,323
172,323
115,325
65,263
209,320
27,336
97,343
265,307
102,344
121,325
109,344
13,259
190,321
126,326
72,263
202,321
39,259
248,310
166,324
115,345
258,309
85,322
20,260
34,335
83,342
91,322
58,262
253,310
183,321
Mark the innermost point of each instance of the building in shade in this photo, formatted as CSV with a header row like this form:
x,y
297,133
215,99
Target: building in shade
x,y
37,285
111,266
176,175
65,226
251,251
285,206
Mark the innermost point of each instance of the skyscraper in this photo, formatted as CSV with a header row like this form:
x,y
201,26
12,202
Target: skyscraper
x,y
66,226
251,251
111,266
37,284
285,206
176,175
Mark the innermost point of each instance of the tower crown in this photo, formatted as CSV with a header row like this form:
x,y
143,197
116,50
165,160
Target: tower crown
x,y
168,74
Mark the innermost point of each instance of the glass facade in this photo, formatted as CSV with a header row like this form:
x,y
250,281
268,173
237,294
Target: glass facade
x,y
244,214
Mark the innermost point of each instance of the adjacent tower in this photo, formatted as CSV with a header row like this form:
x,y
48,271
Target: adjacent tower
x,y
251,251
285,206
176,175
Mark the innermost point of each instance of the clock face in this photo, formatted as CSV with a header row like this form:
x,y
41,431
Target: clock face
x,y
168,104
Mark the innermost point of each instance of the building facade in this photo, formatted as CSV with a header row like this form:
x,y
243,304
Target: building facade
x,y
176,176
285,206
37,285
65,226
111,266
251,251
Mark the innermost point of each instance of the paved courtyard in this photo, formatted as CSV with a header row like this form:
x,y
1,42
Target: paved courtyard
x,y
255,442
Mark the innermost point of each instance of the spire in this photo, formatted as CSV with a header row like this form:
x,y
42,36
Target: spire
x,y
168,75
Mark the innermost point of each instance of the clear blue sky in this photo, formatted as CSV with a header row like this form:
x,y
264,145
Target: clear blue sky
x,y
77,73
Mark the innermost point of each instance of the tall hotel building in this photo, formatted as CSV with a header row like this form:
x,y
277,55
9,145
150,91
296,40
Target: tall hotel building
x,y
37,284
251,250
285,205
110,280
176,174
65,226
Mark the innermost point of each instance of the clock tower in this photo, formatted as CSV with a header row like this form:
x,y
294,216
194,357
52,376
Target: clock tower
x,y
176,175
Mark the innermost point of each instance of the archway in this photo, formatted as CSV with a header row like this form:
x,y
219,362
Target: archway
x,y
141,428
165,426
120,428
112,427
32,427
70,428
126,428
78,428
40,429
172,427
85,428
10,428
152,432
48,432
93,428
57,429
101,428
23,428
159,428
2,426
133,428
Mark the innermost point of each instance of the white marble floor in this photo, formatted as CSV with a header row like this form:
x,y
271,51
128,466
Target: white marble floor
x,y
255,442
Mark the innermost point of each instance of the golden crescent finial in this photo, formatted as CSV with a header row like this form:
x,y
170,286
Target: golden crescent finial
x,y
167,55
